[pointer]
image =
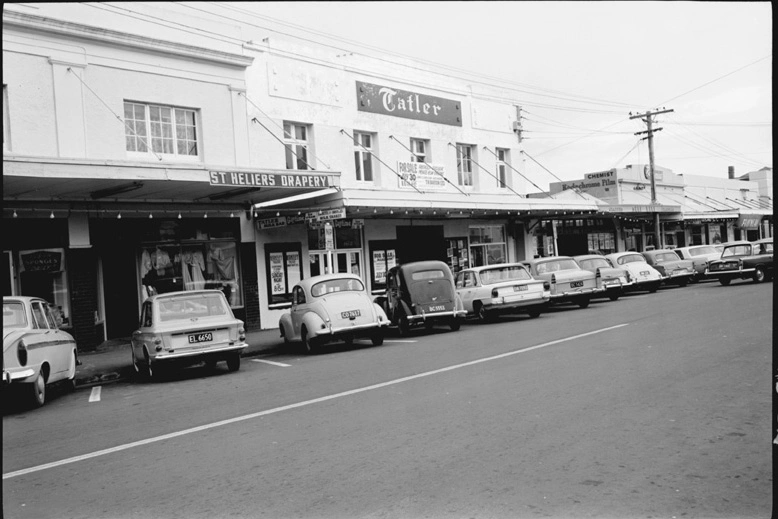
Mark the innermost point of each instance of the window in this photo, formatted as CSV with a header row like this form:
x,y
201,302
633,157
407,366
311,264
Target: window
x,y
282,262
296,142
382,258
502,167
6,121
419,150
464,165
456,253
363,156
169,131
487,245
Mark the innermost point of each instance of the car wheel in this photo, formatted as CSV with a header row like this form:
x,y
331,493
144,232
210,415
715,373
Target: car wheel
x,y
484,315
725,281
653,287
534,313
377,338
233,361
309,345
404,326
349,340
454,324
38,390
759,275
210,364
614,296
145,369
682,283
582,302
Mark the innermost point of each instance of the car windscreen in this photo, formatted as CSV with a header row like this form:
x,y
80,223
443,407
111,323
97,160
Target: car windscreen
x,y
594,263
337,285
187,307
556,265
699,251
501,274
736,250
13,315
631,258
427,274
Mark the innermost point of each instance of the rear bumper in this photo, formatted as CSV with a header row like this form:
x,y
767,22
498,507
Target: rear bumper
x,y
437,315
165,355
499,304
577,293
355,329
17,375
734,272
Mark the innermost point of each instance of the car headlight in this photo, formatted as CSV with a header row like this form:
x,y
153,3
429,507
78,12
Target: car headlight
x,y
21,353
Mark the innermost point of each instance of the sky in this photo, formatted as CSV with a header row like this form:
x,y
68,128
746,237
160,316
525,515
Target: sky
x,y
580,68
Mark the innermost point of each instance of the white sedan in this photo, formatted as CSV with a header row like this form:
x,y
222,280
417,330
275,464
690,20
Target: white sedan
x,y
36,352
508,287
643,275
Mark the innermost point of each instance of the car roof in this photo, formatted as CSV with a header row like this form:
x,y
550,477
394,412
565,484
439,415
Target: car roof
x,y
589,256
496,265
170,295
307,283
547,258
22,299
658,250
422,265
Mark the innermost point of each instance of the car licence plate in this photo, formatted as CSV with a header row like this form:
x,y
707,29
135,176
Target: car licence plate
x,y
350,314
200,337
644,273
437,308
576,284
519,288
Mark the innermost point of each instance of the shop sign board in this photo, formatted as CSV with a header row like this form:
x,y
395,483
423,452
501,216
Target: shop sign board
x,y
749,222
291,179
385,100
347,223
41,261
418,175
269,223
324,216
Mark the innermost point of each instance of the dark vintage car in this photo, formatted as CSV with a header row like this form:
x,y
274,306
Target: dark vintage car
x,y
419,293
674,270
743,260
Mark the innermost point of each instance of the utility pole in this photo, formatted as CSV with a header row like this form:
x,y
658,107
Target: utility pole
x,y
646,117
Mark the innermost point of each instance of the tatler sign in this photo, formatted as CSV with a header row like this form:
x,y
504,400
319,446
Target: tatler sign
x,y
409,105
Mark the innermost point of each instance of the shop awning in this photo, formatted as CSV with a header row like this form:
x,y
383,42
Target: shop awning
x,y
88,185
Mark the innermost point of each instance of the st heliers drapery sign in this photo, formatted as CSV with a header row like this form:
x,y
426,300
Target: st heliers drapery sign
x,y
291,179
409,105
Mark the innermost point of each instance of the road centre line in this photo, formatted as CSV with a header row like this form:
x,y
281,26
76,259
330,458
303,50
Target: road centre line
x,y
272,363
397,340
237,419
95,395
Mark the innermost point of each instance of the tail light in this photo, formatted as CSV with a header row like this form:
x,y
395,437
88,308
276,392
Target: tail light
x,y
21,353
553,278
546,285
598,274
241,334
494,292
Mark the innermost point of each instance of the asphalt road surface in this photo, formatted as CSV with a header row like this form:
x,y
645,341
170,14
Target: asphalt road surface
x,y
653,406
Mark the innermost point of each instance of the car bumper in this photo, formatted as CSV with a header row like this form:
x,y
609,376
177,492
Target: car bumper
x,y
165,355
733,272
505,303
577,293
17,375
346,330
437,315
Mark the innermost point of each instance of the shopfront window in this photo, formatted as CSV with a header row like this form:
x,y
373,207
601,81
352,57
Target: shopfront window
x,y
697,235
456,254
383,256
43,273
284,270
345,257
191,266
487,245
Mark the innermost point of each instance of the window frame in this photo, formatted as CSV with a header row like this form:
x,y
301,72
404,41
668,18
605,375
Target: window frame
x,y
502,167
364,155
465,176
417,156
148,139
287,298
293,157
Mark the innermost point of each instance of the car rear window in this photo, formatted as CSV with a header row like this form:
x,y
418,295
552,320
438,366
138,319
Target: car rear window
x,y
736,250
337,285
631,258
497,275
13,315
595,263
186,307
699,251
667,256
556,265
428,274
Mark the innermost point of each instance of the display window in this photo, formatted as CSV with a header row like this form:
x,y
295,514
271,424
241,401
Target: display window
x,y
456,254
383,256
43,273
284,270
191,266
487,245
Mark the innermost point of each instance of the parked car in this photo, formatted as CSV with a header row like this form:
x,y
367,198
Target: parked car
x,y
421,292
36,353
507,287
329,307
568,281
699,255
744,260
187,327
674,270
642,275
615,280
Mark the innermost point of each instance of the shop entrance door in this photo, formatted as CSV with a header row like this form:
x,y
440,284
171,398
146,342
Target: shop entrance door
x,y
420,243
120,289
343,261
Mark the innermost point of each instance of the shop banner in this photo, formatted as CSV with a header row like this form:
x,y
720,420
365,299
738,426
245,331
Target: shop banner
x,y
420,176
282,180
408,105
41,261
277,273
323,216
749,222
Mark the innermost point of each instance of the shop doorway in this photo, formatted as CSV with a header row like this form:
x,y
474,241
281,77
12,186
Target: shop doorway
x,y
419,243
120,289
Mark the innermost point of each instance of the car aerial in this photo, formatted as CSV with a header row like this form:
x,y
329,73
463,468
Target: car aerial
x,y
421,292
743,260
699,255
187,327
642,275
674,270
332,306
36,353
508,287
615,280
568,281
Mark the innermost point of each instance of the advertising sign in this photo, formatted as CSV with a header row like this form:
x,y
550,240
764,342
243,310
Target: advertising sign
x,y
749,222
277,277
282,180
409,105
323,216
421,176
41,261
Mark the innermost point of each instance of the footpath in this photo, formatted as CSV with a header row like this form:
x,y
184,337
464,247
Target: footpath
x,y
111,361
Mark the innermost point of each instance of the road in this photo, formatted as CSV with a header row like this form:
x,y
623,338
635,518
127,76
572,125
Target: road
x,y
656,405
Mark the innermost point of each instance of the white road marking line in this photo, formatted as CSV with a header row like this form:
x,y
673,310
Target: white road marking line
x,y
272,363
95,395
243,418
397,340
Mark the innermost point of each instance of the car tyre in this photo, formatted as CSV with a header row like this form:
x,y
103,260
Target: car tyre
x,y
377,338
614,296
70,382
725,281
759,275
233,361
653,287
349,340
683,282
534,313
404,326
484,315
454,324
309,345
146,372
38,390
583,302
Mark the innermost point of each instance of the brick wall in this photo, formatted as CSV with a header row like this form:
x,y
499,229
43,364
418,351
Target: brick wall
x,y
82,275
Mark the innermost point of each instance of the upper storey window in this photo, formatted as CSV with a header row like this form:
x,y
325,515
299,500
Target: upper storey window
x,y
419,150
464,164
161,130
363,156
296,141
